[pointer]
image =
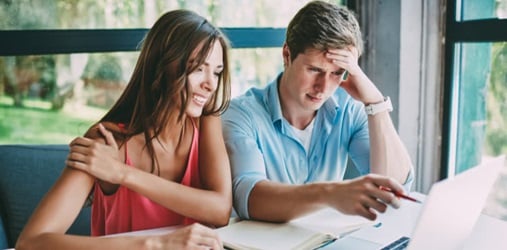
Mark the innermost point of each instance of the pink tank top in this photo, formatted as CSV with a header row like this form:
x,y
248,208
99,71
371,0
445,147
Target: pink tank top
x,y
126,210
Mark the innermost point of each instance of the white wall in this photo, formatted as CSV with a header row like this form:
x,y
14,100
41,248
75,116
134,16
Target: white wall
x,y
403,57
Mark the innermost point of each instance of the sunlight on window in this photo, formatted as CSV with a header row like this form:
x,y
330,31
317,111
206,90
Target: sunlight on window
x,y
53,98
92,14
496,205
482,9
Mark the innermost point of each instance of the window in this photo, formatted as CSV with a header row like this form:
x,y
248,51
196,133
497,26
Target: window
x,y
64,62
93,14
479,9
475,86
475,94
479,108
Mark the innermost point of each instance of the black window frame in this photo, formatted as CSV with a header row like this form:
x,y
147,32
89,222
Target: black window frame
x,y
36,42
483,30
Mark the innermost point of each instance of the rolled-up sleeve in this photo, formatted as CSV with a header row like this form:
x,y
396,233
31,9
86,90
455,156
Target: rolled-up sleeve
x,y
247,162
359,145
410,180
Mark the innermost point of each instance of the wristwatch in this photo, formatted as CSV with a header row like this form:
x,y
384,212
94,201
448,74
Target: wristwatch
x,y
375,108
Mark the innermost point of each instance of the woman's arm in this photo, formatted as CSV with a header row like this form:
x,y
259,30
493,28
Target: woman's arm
x,y
214,165
59,208
210,205
56,211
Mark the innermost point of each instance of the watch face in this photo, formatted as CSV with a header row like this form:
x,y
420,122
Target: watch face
x,y
369,110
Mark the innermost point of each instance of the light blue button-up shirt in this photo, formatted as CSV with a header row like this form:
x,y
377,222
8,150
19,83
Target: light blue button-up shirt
x,y
262,145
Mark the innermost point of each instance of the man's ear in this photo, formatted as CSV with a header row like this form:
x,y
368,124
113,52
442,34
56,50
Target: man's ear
x,y
286,54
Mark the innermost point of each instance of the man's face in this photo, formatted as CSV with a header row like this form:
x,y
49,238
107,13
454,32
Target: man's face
x,y
311,79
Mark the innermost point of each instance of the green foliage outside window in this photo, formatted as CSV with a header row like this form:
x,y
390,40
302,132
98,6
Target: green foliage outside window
x,y
496,132
39,94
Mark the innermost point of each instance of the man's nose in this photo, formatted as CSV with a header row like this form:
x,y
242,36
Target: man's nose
x,y
323,81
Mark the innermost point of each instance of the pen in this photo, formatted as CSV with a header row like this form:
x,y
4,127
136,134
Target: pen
x,y
400,195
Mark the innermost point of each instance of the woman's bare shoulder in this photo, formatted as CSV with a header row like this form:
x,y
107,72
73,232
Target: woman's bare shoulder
x,y
94,132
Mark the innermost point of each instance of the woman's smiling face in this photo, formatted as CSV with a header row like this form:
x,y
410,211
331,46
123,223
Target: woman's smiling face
x,y
204,80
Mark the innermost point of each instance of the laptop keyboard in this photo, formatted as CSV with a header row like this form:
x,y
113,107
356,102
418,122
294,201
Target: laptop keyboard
x,y
398,244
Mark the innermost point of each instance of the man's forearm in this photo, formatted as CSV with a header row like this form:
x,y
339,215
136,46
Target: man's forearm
x,y
277,202
388,155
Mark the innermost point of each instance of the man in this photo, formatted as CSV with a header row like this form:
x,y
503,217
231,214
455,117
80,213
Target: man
x,y
288,143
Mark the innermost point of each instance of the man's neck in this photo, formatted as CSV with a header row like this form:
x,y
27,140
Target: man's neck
x,y
297,117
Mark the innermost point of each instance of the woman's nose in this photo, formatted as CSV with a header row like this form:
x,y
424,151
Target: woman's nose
x,y
210,81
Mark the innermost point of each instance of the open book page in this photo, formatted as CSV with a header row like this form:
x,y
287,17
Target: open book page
x,y
331,221
308,232
253,235
155,231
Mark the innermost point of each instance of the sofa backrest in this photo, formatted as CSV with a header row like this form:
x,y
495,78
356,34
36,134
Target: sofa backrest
x,y
27,172
3,236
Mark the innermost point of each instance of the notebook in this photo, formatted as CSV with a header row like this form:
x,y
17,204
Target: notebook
x,y
309,232
448,215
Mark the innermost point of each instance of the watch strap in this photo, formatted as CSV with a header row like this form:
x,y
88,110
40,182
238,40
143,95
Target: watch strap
x,y
375,108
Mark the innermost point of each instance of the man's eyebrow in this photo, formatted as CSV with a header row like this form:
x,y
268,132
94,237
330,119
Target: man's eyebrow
x,y
313,66
340,70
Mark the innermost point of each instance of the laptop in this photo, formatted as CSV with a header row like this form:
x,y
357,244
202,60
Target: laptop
x,y
447,217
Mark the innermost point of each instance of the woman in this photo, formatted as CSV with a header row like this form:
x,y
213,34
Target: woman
x,y
152,160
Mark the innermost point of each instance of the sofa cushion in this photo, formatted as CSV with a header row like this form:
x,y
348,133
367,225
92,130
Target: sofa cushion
x,y
3,237
27,172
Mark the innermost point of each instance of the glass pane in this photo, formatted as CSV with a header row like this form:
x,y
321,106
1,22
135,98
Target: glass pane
x,y
480,112
254,68
93,14
496,204
481,107
482,9
53,98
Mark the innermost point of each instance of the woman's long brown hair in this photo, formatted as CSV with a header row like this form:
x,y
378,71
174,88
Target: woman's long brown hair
x,y
158,85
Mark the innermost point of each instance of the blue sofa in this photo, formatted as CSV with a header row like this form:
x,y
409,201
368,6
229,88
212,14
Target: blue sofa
x,y
26,173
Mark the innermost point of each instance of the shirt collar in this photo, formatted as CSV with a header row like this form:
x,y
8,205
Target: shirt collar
x,y
331,106
272,100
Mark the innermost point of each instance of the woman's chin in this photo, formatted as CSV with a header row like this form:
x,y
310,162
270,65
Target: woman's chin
x,y
194,112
